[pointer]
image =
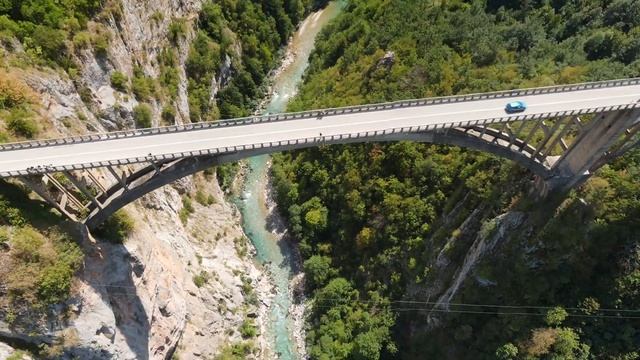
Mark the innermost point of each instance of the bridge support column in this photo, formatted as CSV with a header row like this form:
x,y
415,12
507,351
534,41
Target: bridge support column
x,y
77,183
121,179
584,156
88,175
37,186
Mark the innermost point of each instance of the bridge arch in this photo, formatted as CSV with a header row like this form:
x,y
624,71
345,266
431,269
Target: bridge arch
x,y
157,175
564,136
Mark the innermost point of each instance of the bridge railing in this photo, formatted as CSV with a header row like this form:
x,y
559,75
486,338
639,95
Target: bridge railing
x,y
315,140
318,113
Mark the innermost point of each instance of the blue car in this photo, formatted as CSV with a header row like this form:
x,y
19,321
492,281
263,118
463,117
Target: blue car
x,y
516,106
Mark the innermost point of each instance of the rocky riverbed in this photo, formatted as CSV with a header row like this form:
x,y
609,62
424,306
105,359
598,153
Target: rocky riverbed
x,y
261,220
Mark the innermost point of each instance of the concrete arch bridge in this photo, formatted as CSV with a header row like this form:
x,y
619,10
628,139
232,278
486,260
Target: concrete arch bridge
x,y
566,133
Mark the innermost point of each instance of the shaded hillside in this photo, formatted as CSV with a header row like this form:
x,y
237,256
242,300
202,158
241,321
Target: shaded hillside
x,y
388,230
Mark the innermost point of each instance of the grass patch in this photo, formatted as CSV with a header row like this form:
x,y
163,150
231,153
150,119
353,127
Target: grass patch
x,y
488,228
18,355
177,30
241,246
248,328
186,211
250,295
203,199
239,351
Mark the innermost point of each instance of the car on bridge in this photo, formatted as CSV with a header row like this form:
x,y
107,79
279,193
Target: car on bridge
x,y
515,107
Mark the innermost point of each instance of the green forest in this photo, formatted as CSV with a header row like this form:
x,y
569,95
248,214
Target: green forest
x,y
39,248
49,29
373,220
261,28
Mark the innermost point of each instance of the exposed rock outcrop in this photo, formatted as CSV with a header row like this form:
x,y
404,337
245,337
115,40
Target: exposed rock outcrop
x,y
139,300
6,351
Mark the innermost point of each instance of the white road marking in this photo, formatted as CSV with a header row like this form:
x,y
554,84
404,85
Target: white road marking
x,y
330,125
294,130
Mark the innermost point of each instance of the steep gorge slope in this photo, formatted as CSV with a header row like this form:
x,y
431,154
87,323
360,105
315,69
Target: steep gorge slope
x,y
404,243
185,272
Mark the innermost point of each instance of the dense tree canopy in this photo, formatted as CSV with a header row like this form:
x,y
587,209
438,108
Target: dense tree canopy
x,y
381,219
44,25
260,28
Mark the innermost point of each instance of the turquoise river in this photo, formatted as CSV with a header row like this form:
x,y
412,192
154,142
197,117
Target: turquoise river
x,y
275,255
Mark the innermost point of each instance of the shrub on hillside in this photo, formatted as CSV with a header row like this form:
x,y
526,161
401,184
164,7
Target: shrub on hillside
x,y
201,279
10,215
13,92
177,29
187,209
119,81
142,116
143,87
248,329
237,351
54,281
117,227
168,115
82,40
20,123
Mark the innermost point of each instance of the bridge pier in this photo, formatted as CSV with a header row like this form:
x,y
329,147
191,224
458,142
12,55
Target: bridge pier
x,y
147,179
36,185
121,179
83,188
589,151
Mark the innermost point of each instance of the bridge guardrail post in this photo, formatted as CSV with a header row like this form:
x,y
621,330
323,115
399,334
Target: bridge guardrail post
x,y
353,109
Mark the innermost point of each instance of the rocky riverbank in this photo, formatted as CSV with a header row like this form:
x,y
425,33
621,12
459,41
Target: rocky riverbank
x,y
277,225
261,220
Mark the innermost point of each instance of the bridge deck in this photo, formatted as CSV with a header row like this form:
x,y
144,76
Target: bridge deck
x,y
15,162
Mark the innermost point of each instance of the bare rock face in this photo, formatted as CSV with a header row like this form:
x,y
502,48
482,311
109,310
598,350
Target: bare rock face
x,y
115,108
218,308
222,79
139,300
6,351
61,102
138,35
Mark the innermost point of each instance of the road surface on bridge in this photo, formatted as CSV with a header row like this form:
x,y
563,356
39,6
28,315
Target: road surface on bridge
x,y
350,123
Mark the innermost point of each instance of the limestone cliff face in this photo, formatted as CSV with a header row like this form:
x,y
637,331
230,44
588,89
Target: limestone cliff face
x,y
139,300
138,31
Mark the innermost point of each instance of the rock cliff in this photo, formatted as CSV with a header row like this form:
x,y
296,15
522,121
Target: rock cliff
x,y
140,300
